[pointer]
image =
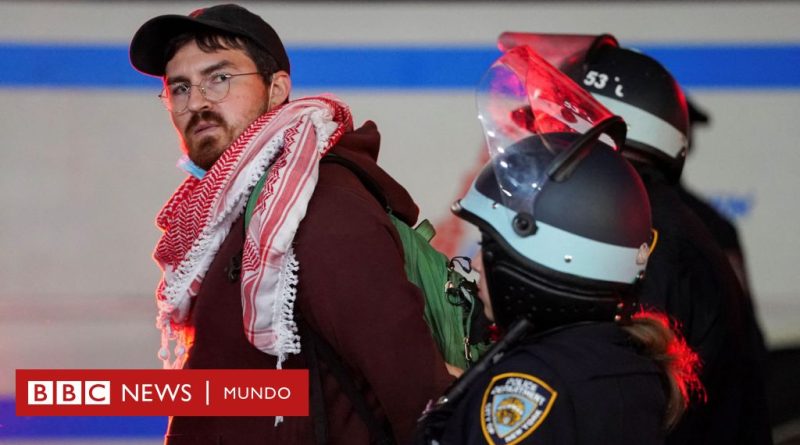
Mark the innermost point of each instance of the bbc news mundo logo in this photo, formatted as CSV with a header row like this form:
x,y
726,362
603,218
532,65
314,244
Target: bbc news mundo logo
x,y
225,392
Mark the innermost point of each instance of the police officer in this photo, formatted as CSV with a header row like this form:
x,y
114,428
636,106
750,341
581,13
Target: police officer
x,y
688,276
566,233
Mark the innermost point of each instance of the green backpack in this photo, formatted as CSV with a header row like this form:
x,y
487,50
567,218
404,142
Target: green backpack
x,y
451,303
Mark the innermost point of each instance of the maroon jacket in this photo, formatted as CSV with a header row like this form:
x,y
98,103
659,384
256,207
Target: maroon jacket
x,y
353,292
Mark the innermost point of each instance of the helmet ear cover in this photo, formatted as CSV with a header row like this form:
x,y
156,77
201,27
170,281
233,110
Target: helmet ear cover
x,y
519,288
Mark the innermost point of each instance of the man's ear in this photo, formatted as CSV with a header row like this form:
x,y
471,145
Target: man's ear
x,y
280,88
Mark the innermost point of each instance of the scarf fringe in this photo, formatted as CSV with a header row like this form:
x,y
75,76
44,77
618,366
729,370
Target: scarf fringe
x,y
288,337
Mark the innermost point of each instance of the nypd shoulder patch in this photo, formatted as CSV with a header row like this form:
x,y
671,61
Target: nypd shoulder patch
x,y
513,406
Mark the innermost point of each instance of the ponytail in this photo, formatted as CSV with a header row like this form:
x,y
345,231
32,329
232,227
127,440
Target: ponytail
x,y
652,333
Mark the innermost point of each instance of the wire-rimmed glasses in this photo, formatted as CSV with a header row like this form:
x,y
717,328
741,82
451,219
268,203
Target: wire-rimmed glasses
x,y
214,88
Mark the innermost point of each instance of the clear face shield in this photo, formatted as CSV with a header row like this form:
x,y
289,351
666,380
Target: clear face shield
x,y
538,125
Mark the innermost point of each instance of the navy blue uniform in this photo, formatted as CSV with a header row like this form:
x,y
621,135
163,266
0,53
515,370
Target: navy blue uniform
x,y
689,278
581,384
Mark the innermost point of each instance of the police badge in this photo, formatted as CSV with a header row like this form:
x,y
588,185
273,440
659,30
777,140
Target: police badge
x,y
514,405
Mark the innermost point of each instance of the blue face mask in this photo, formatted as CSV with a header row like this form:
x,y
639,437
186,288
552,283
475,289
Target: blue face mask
x,y
186,164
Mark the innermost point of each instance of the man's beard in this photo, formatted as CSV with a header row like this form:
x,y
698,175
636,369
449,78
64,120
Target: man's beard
x,y
207,149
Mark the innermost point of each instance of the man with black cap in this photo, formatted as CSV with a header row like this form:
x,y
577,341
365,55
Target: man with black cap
x,y
274,258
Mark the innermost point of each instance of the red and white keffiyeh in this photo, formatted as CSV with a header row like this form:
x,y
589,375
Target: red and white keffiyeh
x,y
198,217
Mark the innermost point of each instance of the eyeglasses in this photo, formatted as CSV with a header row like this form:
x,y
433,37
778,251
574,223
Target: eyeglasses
x,y
214,88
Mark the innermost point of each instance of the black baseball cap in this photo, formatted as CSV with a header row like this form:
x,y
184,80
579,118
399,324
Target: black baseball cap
x,y
148,47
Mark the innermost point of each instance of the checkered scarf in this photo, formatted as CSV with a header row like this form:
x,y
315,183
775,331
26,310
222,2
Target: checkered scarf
x,y
290,141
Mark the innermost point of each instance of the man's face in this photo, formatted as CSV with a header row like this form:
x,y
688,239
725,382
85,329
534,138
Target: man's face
x,y
208,128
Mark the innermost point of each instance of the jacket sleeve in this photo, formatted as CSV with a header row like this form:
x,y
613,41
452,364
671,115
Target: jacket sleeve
x,y
353,290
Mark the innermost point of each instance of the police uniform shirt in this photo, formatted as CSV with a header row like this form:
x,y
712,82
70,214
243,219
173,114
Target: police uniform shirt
x,y
583,384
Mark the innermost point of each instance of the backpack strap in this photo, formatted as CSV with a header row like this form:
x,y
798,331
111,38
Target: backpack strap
x,y
251,201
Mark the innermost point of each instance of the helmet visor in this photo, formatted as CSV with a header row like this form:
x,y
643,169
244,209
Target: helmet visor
x,y
536,122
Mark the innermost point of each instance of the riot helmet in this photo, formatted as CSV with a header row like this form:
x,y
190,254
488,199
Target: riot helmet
x,y
564,218
630,84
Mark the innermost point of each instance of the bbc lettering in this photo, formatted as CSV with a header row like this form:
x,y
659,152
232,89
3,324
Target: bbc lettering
x,y
69,392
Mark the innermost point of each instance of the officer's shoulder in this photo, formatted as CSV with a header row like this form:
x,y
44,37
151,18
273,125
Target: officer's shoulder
x,y
580,353
531,357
